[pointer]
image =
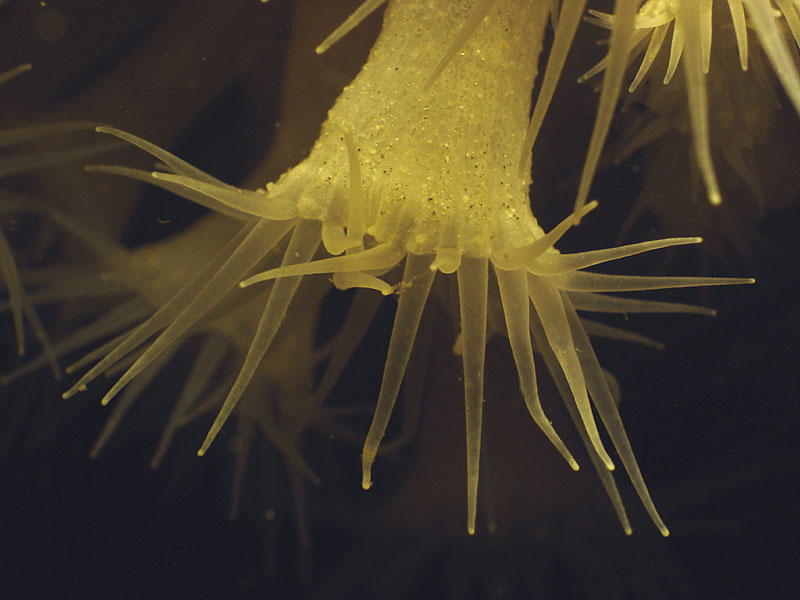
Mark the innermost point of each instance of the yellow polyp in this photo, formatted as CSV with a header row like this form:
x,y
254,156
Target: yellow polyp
x,y
418,165
692,24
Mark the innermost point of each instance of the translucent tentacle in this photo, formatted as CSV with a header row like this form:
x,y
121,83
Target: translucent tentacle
x,y
555,264
304,243
516,307
175,188
602,330
257,203
361,13
18,135
566,24
11,73
472,291
762,17
417,280
740,30
613,304
264,237
383,256
204,368
606,476
118,318
607,409
582,281
624,15
653,46
690,19
550,307
128,397
161,317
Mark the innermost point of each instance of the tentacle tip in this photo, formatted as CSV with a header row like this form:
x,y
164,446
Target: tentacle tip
x,y
573,464
72,391
251,280
628,530
366,479
201,452
471,529
663,530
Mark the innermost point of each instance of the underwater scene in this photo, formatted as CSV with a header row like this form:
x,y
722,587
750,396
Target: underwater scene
x,y
389,299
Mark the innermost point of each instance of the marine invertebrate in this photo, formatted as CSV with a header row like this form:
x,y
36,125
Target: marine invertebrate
x,y
285,397
417,164
691,43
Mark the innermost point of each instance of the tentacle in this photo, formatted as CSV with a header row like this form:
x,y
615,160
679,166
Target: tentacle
x,y
383,256
516,307
126,314
175,188
204,368
696,31
11,73
740,30
9,137
602,330
257,203
263,237
582,281
472,292
304,243
177,165
653,46
416,285
556,264
606,476
607,409
566,24
160,319
550,307
762,18
129,396
361,13
624,15
613,304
